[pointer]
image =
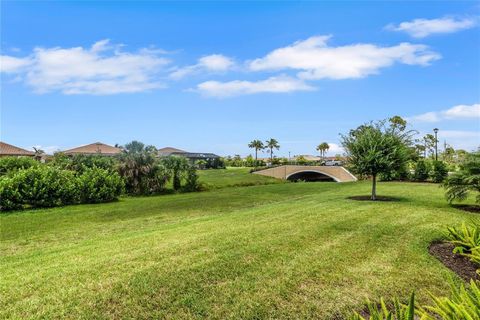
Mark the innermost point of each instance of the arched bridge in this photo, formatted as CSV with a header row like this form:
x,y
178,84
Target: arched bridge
x,y
309,173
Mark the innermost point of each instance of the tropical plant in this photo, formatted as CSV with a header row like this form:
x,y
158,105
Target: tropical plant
x,y
377,148
272,144
463,304
177,167
257,145
466,240
466,180
382,312
191,180
142,172
439,171
39,153
322,148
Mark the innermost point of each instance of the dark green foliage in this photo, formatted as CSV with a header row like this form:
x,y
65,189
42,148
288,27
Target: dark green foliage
x,y
467,179
142,172
439,171
177,167
421,171
46,186
10,197
377,148
79,163
9,165
99,185
191,180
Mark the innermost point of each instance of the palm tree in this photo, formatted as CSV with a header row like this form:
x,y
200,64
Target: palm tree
x,y
272,144
38,153
177,166
322,148
467,179
257,145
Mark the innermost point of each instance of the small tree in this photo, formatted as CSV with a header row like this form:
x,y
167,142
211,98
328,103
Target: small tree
x,y
439,171
376,148
421,171
459,184
177,166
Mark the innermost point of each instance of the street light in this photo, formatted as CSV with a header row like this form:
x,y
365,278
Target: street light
x,y
436,149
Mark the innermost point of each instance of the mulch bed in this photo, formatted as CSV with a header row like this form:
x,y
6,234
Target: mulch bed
x,y
467,207
368,198
459,264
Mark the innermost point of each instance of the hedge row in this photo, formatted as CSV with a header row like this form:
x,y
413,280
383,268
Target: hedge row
x,y
46,186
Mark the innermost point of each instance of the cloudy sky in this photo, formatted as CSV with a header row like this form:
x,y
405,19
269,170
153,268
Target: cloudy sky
x,y
213,76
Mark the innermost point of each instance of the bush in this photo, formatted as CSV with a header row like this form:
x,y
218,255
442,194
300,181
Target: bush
x,y
10,165
463,304
439,171
191,180
10,197
466,180
421,171
45,186
99,185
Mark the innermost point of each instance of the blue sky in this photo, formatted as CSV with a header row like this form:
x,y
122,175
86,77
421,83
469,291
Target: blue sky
x,y
212,76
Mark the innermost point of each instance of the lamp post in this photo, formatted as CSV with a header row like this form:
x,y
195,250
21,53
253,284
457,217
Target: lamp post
x,y
436,141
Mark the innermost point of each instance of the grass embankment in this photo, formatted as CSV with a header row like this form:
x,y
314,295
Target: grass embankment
x,y
273,251
233,177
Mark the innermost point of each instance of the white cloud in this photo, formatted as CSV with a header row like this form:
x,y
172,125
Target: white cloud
x,y
101,70
456,112
335,149
420,28
212,63
237,87
12,64
316,60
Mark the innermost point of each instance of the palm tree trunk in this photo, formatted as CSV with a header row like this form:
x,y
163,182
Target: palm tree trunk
x,y
256,151
374,187
271,155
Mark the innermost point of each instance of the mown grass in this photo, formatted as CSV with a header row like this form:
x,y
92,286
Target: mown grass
x,y
291,250
233,177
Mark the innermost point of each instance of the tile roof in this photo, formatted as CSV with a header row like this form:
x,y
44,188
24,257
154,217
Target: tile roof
x,y
94,148
168,150
9,150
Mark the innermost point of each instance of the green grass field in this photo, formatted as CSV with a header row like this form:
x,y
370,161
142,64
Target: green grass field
x,y
285,250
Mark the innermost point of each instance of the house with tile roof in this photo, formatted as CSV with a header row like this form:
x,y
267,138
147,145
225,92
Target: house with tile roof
x,y
96,148
8,150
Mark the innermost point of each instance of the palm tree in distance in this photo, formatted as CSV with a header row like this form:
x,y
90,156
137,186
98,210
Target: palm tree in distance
x,y
272,144
257,145
322,148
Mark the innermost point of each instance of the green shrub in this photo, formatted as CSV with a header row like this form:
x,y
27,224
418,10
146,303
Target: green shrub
x,y
46,186
467,241
439,171
382,312
191,180
421,171
10,165
464,303
99,185
465,181
10,197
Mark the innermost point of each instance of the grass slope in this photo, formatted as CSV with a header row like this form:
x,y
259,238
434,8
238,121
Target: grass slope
x,y
233,177
273,251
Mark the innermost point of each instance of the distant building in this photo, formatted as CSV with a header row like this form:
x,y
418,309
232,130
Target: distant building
x,y
8,150
193,156
96,148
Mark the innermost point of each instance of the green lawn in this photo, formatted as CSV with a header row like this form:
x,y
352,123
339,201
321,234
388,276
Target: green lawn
x,y
233,177
288,250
